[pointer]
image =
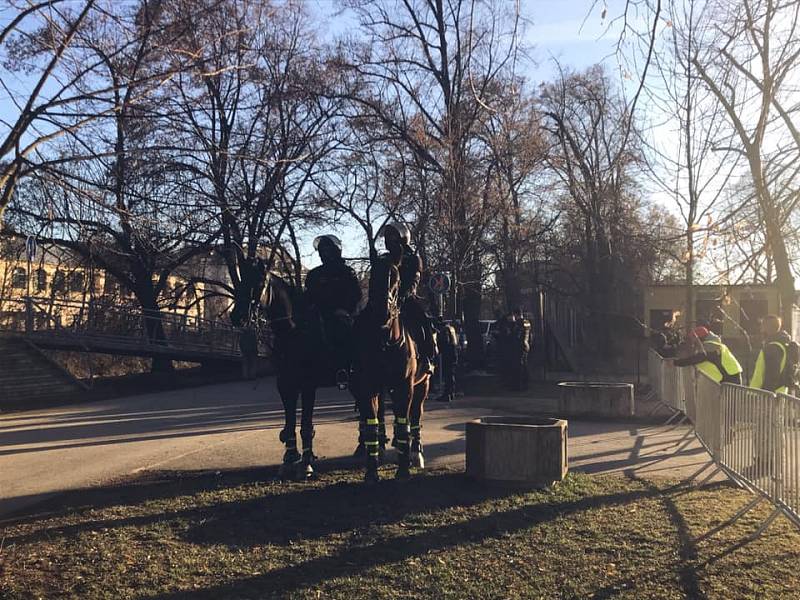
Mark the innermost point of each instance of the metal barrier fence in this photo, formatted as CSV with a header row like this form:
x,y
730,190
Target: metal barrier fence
x,y
125,327
752,435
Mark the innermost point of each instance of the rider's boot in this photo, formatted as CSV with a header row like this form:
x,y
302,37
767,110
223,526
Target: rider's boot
x,y
401,434
417,454
307,465
373,454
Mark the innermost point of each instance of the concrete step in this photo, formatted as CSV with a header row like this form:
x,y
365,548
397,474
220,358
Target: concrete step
x,y
28,377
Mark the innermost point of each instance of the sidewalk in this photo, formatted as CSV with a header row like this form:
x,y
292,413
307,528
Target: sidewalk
x,y
235,426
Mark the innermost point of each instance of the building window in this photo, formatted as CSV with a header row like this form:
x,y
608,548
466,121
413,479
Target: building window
x,y
75,281
110,286
59,282
19,278
41,280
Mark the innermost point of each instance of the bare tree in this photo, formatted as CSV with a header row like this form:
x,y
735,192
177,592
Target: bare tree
x,y
251,122
748,62
424,73
522,217
103,192
685,162
597,164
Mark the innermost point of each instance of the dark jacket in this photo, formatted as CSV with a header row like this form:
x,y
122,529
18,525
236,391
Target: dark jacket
x,y
773,355
333,286
410,272
448,342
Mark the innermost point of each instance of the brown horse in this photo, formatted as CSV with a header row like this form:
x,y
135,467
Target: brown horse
x,y
386,359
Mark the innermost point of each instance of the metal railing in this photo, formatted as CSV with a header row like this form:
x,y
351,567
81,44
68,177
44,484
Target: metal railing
x,y
752,435
123,327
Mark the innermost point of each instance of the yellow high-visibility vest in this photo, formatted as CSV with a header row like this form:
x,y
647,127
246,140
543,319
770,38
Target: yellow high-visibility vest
x,y
728,360
757,380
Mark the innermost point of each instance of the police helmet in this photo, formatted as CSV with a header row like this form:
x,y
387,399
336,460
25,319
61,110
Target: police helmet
x,y
401,228
331,238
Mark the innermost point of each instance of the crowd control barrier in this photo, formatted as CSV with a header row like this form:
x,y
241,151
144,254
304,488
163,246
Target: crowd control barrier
x,y
752,435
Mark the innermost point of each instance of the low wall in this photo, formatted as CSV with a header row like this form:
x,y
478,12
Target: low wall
x,y
595,399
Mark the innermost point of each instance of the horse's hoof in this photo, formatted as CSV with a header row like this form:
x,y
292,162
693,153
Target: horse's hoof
x,y
371,477
306,472
418,460
402,474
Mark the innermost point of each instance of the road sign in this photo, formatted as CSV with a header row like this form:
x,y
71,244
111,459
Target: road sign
x,y
30,247
439,283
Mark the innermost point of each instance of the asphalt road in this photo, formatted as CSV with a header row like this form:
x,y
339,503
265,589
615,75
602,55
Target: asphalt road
x,y
236,425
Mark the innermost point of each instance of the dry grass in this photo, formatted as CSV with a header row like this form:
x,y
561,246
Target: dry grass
x,y
244,535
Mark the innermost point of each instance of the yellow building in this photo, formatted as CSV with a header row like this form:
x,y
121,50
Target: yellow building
x,y
62,287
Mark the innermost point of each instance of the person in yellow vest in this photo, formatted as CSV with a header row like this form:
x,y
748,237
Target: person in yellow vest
x,y
712,357
776,360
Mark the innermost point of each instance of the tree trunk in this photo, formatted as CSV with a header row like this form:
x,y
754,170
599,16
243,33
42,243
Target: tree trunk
x,y
154,328
688,317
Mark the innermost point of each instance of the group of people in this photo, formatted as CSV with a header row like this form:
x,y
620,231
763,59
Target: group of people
x,y
513,338
775,364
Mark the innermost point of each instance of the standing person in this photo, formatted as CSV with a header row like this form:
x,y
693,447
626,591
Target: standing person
x,y
506,330
333,290
774,372
712,357
522,347
448,346
777,360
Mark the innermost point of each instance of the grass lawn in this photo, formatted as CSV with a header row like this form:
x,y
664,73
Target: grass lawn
x,y
243,535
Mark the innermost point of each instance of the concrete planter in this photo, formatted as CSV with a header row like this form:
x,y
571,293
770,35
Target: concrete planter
x,y
595,399
517,451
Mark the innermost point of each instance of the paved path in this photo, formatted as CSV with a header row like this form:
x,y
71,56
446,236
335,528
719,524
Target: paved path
x,y
235,425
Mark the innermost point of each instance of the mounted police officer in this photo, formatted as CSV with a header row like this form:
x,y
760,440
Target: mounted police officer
x,y
713,358
333,289
397,237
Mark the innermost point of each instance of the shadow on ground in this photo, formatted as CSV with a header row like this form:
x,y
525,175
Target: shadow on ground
x,y
243,534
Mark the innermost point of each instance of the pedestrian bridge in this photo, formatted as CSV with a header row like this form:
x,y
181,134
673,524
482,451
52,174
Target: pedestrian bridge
x,y
99,327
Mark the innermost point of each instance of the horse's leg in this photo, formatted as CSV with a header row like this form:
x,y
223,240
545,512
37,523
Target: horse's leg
x,y
289,392
370,413
357,390
421,391
382,439
307,429
402,396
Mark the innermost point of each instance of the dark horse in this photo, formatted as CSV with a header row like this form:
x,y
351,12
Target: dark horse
x,y
302,362
386,358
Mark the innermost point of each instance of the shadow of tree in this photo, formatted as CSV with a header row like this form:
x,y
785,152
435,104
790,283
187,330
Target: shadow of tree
x,y
426,494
